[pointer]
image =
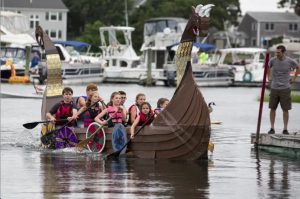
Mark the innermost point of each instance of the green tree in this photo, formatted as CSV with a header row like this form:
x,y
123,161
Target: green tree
x,y
291,3
84,13
91,35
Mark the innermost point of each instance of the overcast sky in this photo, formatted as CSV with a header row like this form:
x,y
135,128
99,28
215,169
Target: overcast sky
x,y
260,5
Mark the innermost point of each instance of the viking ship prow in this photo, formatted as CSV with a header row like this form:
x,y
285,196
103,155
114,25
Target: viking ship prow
x,y
182,129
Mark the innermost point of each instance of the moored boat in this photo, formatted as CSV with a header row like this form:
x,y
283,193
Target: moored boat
x,y
181,130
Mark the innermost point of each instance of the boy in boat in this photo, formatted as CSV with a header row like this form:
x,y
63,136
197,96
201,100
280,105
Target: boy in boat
x,y
161,104
134,109
65,109
116,113
81,102
145,117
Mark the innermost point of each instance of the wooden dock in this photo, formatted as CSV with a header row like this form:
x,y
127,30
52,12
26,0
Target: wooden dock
x,y
279,143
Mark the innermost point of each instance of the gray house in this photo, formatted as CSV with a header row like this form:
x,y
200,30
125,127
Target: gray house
x,y
50,14
261,27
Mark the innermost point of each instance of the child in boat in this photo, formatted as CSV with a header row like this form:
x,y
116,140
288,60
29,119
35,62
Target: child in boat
x,y
146,116
114,111
82,100
161,104
134,109
88,116
65,109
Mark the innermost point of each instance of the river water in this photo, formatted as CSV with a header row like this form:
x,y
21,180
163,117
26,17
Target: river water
x,y
233,170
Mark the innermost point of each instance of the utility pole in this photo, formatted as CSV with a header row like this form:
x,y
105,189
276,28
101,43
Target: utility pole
x,y
126,13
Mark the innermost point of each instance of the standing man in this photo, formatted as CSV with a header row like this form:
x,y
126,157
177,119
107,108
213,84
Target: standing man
x,y
281,81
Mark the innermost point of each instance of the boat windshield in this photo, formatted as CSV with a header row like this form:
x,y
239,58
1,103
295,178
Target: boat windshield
x,y
153,27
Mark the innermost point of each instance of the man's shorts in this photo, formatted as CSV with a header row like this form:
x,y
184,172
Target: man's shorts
x,y
282,96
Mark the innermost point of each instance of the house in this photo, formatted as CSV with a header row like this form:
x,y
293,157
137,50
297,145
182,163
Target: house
x,y
51,15
261,27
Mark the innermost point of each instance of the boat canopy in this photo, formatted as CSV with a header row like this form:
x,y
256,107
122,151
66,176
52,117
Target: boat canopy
x,y
77,45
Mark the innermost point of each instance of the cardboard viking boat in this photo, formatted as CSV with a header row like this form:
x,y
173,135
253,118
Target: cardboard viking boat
x,y
180,131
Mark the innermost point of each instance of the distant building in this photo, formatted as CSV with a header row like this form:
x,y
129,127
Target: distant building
x,y
260,27
51,15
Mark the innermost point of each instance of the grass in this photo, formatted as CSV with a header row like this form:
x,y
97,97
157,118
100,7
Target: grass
x,y
295,97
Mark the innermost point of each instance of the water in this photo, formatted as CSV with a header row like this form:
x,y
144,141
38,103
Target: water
x,y
234,170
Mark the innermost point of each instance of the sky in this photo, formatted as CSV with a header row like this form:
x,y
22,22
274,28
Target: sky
x,y
260,5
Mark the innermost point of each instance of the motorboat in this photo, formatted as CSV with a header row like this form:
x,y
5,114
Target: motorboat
x,y
17,56
123,64
246,63
74,70
207,74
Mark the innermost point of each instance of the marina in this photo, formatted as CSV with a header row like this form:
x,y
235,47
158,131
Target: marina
x,y
197,144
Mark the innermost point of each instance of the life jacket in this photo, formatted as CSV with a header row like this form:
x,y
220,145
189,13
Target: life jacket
x,y
145,118
129,114
115,117
63,112
89,116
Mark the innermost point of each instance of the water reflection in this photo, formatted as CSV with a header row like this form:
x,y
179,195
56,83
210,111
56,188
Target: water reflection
x,y
274,173
90,176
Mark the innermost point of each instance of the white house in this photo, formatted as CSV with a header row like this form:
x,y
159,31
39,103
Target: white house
x,y
51,15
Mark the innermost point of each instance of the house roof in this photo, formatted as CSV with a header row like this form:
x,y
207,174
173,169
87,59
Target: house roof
x,y
52,4
274,16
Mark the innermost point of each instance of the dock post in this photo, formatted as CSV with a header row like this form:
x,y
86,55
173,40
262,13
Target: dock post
x,y
27,54
262,96
149,69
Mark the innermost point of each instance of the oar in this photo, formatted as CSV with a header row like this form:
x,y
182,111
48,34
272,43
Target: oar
x,y
83,143
88,108
117,153
31,125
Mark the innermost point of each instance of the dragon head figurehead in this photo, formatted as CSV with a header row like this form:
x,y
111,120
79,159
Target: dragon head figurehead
x,y
198,23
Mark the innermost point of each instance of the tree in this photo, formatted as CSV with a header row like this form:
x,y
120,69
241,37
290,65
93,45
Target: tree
x,y
91,35
290,3
84,13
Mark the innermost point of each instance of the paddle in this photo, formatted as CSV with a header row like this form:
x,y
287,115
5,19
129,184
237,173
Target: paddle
x,y
117,153
32,125
47,135
83,143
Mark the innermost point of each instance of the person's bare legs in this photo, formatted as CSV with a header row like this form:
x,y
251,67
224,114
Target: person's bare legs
x,y
285,119
272,117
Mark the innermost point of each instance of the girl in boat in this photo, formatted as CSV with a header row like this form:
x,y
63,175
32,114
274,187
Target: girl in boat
x,y
88,116
134,109
161,104
65,109
145,117
82,100
114,111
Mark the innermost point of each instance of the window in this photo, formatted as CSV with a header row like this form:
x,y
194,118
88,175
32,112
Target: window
x,y
59,34
293,27
253,26
53,16
269,26
47,16
34,21
54,34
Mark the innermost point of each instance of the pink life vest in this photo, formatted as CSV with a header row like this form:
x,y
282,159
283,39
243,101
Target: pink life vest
x,y
116,117
144,119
